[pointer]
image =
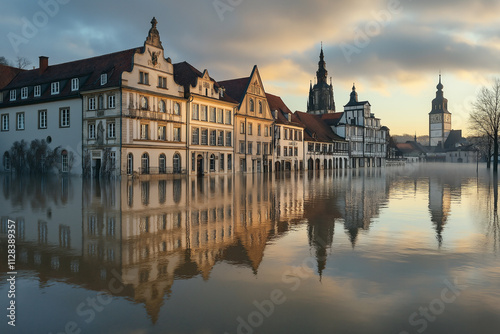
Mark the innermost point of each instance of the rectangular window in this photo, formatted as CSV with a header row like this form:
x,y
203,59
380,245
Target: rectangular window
x,y
75,84
195,136
242,127
266,148
300,135
20,121
64,117
266,131
64,162
213,135
229,139
177,134
204,137
204,110
221,166
220,116
91,103
286,134
111,130
162,131
162,82
250,148
229,161
91,133
104,79
13,95
249,129
38,91
258,148
220,138
5,122
111,101
213,115
258,130
144,131
144,78
42,119
228,116
54,88
290,151
196,112
278,150
285,151
296,151
24,93
310,147
112,157
242,147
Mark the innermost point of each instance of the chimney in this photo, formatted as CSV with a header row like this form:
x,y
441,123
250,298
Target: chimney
x,y
44,63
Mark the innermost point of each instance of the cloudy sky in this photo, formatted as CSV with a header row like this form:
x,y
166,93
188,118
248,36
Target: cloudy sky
x,y
392,49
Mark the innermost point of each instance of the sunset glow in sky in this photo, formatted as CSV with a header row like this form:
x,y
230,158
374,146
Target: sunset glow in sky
x,y
392,50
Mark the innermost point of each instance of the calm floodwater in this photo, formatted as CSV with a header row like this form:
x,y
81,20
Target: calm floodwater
x,y
403,250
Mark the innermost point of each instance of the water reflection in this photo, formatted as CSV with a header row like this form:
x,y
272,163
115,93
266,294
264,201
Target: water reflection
x,y
152,233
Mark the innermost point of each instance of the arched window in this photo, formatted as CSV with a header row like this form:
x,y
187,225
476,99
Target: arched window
x,y
162,164
161,106
145,164
177,163
252,107
64,161
177,108
130,164
260,107
212,163
6,161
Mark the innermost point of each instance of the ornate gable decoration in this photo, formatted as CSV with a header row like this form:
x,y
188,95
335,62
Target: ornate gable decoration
x,y
153,35
154,58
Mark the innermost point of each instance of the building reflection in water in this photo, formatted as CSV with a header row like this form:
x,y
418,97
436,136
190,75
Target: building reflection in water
x,y
153,232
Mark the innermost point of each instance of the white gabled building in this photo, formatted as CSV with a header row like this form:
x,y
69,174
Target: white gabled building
x,y
359,126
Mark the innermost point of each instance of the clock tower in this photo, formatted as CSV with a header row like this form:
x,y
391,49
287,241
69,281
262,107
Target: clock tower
x,y
439,118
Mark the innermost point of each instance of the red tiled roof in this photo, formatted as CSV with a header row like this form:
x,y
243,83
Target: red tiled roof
x,y
277,104
7,73
316,128
87,70
332,118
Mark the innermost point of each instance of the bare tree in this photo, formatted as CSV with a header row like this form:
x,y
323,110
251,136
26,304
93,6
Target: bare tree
x,y
22,62
485,116
4,61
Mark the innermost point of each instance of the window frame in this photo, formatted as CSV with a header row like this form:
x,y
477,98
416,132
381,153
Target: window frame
x,y
75,84
44,118
54,88
20,121
5,122
64,120
111,130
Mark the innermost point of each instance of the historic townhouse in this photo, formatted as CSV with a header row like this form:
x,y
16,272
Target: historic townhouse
x,y
42,105
253,124
288,136
210,122
323,149
366,137
136,124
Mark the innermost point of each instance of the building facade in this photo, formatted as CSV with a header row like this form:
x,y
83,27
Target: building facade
x,y
288,143
253,124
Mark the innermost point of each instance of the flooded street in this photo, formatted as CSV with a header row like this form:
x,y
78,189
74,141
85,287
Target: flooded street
x,y
397,250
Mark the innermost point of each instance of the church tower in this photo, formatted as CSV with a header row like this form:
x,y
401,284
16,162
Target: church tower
x,y
321,94
439,118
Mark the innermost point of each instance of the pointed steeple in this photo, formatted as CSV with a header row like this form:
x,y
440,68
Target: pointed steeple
x,y
322,73
153,35
354,95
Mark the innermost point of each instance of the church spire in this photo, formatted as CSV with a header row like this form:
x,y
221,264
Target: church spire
x,y
322,73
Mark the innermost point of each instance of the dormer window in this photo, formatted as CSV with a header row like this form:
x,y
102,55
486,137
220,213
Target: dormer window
x,y
13,95
37,91
104,79
24,93
54,88
75,84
